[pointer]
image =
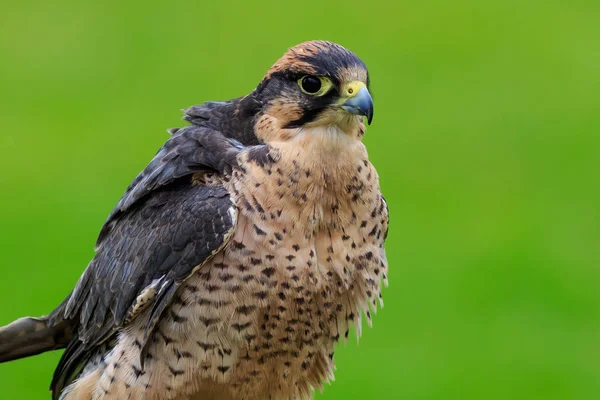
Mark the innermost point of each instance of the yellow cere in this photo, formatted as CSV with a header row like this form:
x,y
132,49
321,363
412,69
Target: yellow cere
x,y
350,89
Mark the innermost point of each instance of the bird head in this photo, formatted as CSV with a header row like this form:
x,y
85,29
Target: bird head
x,y
316,84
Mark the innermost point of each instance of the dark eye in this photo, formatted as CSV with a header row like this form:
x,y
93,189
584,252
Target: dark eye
x,y
315,85
310,84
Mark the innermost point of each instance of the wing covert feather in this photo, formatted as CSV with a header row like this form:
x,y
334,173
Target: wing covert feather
x,y
163,229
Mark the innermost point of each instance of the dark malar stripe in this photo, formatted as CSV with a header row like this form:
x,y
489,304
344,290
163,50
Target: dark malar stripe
x,y
308,116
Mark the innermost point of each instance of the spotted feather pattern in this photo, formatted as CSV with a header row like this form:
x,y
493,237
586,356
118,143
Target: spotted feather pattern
x,y
261,319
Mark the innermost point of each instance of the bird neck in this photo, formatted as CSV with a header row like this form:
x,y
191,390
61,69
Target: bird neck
x,y
320,178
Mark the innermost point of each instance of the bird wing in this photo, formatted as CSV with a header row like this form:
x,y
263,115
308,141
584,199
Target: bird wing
x,y
190,150
234,118
162,230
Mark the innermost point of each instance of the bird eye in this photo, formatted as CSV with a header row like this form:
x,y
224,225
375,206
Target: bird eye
x,y
314,85
310,84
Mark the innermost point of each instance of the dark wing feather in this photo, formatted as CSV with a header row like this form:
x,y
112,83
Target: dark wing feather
x,y
162,230
190,149
235,119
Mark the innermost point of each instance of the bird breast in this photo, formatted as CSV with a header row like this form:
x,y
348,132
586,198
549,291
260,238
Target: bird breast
x,y
262,318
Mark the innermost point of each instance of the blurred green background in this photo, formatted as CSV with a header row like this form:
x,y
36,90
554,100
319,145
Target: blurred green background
x,y
486,136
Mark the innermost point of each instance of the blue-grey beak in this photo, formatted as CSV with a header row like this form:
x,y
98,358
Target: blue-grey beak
x,y
360,104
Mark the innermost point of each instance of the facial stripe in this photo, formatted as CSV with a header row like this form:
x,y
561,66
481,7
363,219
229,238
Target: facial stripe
x,y
307,116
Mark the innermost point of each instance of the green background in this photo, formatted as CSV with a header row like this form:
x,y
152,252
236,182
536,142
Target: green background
x,y
486,136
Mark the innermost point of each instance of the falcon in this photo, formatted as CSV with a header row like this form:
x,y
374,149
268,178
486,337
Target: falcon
x,y
239,257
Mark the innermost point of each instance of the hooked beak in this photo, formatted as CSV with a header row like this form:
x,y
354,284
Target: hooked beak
x,y
358,100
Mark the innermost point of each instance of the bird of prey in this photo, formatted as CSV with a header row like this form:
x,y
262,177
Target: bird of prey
x,y
239,257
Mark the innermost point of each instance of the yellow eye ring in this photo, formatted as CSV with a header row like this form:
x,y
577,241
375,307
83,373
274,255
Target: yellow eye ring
x,y
314,85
